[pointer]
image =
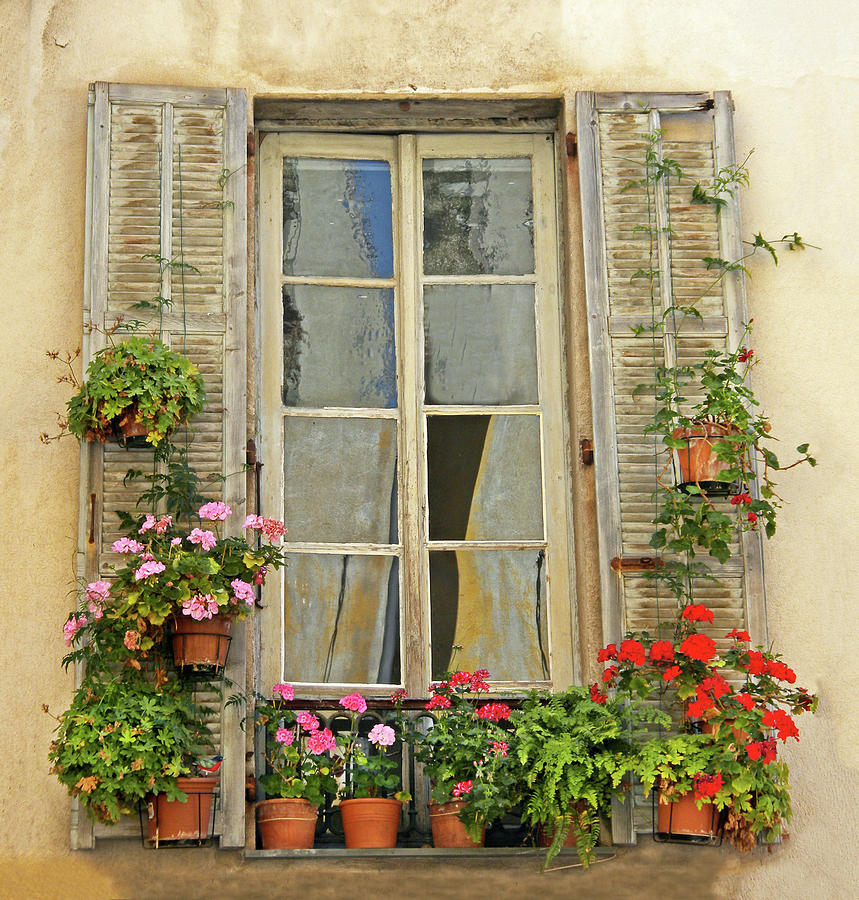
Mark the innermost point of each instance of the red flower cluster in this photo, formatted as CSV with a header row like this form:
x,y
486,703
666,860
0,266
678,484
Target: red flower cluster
x,y
780,670
757,663
632,651
697,612
757,749
609,674
707,785
494,712
462,787
745,355
596,695
739,635
740,499
661,651
671,673
459,678
699,646
398,695
782,722
607,653
439,701
746,701
478,681
707,692
753,518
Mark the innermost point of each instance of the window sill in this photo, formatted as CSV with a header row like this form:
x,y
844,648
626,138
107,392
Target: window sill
x,y
567,856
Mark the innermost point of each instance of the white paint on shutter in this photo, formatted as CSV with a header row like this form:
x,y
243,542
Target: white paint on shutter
x,y
167,175
612,133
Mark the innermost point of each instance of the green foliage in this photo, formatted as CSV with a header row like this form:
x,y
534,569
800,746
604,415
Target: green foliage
x,y
142,376
123,739
571,755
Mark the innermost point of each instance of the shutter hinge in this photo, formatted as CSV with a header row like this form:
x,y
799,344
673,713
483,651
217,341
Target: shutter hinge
x,y
586,451
251,145
621,564
572,144
251,450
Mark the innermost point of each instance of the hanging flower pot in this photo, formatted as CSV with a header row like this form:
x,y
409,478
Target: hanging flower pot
x,y
176,820
448,829
287,823
370,822
698,463
200,645
682,817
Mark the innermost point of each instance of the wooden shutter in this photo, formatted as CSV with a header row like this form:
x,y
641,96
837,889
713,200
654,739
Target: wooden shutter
x,y
695,130
166,175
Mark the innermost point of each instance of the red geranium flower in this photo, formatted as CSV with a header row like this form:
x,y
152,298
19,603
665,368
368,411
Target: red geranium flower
x,y
739,499
739,635
700,706
745,355
671,673
494,712
707,785
781,671
460,678
699,646
609,673
633,651
607,653
745,700
661,651
715,685
782,722
462,787
697,612
753,518
757,663
438,702
596,695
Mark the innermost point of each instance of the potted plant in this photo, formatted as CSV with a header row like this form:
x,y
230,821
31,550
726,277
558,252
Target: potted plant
x,y
197,581
299,776
137,387
732,763
125,740
370,817
465,754
573,750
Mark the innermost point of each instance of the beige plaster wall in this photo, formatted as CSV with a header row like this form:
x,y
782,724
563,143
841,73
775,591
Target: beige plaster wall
x,y
792,69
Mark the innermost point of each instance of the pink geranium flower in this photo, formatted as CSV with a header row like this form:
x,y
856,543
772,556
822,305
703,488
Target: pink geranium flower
x,y
206,539
355,702
200,606
98,591
148,522
214,511
285,736
150,567
381,735
307,721
131,640
72,627
284,690
243,591
321,741
127,545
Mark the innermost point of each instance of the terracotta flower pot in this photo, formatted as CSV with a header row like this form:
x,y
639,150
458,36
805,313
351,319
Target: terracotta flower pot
x,y
546,834
202,644
370,822
447,828
698,463
740,736
684,818
287,823
175,820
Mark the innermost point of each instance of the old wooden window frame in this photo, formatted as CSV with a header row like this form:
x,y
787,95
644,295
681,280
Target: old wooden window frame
x,y
404,152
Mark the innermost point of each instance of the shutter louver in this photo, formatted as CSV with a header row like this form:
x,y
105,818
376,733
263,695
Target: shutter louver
x,y
612,139
167,177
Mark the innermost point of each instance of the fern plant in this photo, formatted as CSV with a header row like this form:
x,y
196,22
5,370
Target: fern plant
x,y
572,753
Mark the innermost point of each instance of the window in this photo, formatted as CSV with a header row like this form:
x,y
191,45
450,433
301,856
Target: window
x,y
410,410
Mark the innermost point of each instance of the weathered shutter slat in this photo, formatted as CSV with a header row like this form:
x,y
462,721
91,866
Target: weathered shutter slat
x,y
166,177
695,131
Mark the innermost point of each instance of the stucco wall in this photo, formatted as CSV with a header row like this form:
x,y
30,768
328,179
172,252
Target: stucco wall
x,y
793,73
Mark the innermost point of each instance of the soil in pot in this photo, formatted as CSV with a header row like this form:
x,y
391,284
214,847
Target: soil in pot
x,y
174,820
287,823
200,645
370,822
684,818
698,464
447,829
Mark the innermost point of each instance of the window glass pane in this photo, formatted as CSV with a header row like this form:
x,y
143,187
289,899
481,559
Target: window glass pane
x,y
341,619
337,217
492,603
340,480
484,478
478,217
338,347
480,344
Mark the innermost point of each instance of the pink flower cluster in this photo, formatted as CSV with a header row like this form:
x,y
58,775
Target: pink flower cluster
x,y
160,525
97,593
283,690
214,511
271,528
72,627
150,567
243,591
200,606
381,735
355,702
499,748
321,741
285,736
307,721
127,545
131,640
206,539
